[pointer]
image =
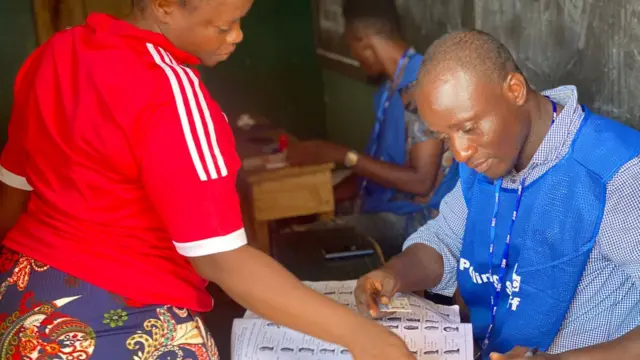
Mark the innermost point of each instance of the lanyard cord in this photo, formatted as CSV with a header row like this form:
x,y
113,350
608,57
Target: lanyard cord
x,y
385,101
495,297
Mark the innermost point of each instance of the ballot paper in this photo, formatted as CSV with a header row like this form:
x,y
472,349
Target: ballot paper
x,y
431,331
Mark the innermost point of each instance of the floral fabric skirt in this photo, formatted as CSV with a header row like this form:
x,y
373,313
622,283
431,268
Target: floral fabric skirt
x,y
47,314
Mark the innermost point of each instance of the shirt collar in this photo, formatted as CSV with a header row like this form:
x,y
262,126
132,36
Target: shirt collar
x,y
563,130
106,23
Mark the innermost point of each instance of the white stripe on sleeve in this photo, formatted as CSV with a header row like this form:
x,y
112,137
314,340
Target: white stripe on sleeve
x,y
188,88
207,116
213,245
182,112
14,180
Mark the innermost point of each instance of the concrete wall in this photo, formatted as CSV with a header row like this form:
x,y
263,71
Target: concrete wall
x,y
592,44
588,43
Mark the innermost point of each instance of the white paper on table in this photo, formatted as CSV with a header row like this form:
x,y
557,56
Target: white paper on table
x,y
431,331
259,339
342,292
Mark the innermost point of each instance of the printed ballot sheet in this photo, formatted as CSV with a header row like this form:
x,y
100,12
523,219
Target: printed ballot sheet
x,y
431,331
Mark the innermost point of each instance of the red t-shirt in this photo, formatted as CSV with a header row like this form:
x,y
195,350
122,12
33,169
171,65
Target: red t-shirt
x,y
132,165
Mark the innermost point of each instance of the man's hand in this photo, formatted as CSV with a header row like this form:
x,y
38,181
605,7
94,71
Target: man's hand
x,y
315,152
518,353
376,287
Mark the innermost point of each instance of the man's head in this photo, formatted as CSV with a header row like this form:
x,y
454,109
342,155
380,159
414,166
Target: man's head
x,y
368,23
207,29
471,91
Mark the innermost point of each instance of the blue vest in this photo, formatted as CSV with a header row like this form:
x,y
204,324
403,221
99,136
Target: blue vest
x,y
392,148
555,231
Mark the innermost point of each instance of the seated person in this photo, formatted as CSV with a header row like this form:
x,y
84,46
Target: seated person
x,y
398,174
544,221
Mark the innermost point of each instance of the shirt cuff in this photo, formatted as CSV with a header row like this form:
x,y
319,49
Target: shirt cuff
x,y
14,180
212,245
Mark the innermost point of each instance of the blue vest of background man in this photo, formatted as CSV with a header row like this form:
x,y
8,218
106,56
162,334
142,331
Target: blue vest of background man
x,y
390,146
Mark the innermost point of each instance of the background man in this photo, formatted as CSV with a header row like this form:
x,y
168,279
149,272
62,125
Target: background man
x,y
398,178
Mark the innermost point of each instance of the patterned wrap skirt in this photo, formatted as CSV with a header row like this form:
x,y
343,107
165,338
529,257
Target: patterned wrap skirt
x,y
47,314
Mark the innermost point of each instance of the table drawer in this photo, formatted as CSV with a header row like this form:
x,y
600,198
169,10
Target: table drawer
x,y
301,195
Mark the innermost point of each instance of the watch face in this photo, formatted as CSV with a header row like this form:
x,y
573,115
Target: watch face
x,y
351,159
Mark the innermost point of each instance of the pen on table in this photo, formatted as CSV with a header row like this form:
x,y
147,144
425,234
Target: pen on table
x,y
531,352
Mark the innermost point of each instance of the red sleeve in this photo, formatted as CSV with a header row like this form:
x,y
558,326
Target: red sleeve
x,y
189,169
13,158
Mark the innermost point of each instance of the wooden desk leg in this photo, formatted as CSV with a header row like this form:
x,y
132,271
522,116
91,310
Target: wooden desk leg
x,y
261,235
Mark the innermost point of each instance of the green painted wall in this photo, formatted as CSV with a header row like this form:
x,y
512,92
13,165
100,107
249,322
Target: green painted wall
x,y
17,40
349,109
274,71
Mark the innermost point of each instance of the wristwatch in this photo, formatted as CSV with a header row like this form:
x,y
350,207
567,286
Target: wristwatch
x,y
351,158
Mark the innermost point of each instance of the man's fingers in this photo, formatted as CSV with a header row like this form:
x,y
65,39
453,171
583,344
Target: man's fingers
x,y
387,290
516,353
363,309
374,310
364,295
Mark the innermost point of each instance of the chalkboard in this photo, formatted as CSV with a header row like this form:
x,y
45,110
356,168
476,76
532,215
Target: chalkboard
x,y
593,44
422,22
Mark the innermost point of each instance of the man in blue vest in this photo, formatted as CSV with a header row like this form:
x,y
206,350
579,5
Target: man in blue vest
x,y
399,176
544,221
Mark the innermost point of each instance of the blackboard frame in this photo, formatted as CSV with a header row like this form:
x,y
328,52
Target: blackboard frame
x,y
329,58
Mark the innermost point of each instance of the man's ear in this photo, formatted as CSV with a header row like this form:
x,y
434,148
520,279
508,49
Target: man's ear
x,y
516,88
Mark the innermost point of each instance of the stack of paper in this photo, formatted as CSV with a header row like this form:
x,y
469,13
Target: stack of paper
x,y
431,331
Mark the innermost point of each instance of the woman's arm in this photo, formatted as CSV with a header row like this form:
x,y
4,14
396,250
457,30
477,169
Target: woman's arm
x,y
13,202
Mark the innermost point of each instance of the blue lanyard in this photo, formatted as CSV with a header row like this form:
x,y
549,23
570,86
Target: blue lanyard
x,y
385,101
507,243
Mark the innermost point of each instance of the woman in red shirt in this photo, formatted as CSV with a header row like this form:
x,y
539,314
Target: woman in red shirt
x,y
119,201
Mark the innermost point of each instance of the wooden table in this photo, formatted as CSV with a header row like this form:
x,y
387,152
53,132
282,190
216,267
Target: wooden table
x,y
268,195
